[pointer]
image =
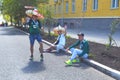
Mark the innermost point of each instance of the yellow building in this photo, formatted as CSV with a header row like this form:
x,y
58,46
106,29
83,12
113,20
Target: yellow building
x,y
73,10
85,8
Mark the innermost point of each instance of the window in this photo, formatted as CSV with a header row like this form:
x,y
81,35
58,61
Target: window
x,y
73,5
55,1
95,4
114,3
84,5
67,7
72,25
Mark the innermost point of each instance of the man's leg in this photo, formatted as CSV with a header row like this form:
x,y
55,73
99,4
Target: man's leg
x,y
32,39
41,50
39,39
50,48
31,50
75,52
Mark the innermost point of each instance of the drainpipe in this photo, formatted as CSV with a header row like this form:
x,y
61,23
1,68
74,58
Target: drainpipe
x,y
62,12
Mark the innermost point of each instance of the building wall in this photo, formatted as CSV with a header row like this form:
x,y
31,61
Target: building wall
x,y
100,19
104,9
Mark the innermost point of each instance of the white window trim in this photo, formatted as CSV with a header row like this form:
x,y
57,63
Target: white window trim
x,y
116,6
84,6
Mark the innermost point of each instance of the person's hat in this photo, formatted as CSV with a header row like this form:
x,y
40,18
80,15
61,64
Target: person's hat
x,y
59,28
30,13
80,34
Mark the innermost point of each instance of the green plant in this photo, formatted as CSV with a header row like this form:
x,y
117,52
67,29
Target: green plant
x,y
56,35
68,37
91,55
52,34
113,28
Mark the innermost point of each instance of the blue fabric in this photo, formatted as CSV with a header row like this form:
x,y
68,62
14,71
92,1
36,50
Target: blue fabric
x,y
34,37
78,52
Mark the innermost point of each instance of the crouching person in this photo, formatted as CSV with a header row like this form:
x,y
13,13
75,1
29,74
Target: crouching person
x,y
82,52
59,44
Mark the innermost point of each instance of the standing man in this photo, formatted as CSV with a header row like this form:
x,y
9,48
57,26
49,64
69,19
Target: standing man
x,y
34,30
82,51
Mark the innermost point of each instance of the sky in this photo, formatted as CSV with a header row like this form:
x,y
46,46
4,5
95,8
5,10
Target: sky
x,y
1,19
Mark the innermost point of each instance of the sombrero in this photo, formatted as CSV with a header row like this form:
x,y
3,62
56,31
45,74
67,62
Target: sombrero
x,y
30,13
59,28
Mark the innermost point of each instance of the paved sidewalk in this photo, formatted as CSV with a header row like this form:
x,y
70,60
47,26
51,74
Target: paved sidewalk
x,y
95,35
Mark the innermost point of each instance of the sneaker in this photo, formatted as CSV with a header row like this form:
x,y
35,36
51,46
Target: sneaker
x,y
31,57
41,56
75,60
68,62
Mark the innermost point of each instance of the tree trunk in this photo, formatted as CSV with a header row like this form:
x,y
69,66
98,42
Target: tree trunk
x,y
11,20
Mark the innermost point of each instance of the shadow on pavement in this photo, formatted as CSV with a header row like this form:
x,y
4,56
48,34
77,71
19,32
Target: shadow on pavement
x,y
60,53
81,65
34,67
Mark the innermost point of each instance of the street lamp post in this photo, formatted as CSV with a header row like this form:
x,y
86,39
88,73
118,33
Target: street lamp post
x,y
62,12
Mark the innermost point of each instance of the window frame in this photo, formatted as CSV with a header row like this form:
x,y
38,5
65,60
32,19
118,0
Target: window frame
x,y
84,5
114,4
73,6
95,5
67,7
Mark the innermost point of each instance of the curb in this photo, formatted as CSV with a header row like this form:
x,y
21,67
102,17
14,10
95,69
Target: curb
x,y
107,70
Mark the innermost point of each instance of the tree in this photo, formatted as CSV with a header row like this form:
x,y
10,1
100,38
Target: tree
x,y
15,8
113,28
47,11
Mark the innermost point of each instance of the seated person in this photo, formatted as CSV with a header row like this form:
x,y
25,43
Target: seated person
x,y
82,52
59,43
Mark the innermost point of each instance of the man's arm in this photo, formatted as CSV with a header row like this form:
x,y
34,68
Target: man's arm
x,y
75,44
40,25
57,41
65,30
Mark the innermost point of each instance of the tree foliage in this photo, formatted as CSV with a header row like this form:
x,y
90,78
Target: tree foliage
x,y
15,8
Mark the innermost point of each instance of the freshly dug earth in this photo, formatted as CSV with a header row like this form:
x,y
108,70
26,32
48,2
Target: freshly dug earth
x,y
98,52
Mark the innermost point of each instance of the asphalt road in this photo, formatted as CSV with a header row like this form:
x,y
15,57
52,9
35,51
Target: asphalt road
x,y
15,63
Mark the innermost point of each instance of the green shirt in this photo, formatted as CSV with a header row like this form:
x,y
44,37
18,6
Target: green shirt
x,y
34,26
83,46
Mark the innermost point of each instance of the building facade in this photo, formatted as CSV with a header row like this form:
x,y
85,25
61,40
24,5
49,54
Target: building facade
x,y
84,12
